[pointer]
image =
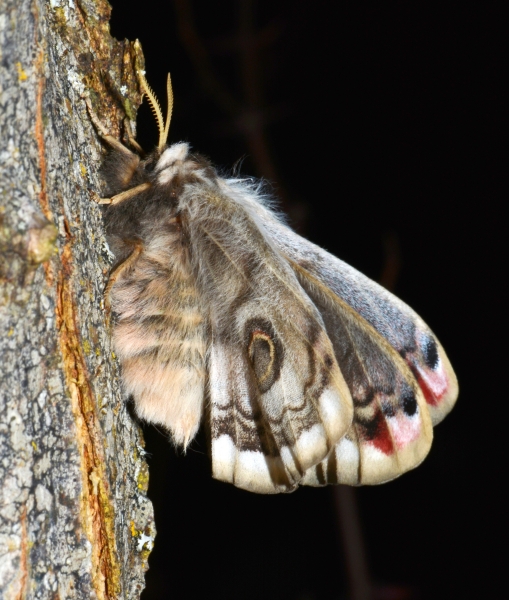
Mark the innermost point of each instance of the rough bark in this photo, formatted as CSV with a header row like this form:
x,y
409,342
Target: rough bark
x,y
74,518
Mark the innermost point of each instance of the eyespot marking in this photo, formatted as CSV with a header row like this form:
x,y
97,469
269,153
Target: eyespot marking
x,y
264,353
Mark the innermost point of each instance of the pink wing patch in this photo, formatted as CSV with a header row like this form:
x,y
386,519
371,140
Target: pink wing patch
x,y
434,373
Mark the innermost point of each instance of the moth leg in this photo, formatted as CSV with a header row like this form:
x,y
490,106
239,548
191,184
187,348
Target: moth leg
x,y
117,198
120,268
130,137
103,132
97,199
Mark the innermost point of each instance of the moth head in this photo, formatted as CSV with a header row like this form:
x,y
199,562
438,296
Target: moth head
x,y
144,190
129,173
126,170
169,162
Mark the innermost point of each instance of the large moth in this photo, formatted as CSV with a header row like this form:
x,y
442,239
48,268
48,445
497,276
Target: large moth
x,y
304,370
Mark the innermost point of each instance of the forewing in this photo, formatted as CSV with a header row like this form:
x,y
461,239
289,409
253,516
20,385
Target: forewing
x,y
390,317
278,402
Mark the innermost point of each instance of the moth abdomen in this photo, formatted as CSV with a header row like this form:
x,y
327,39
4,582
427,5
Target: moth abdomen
x,y
160,332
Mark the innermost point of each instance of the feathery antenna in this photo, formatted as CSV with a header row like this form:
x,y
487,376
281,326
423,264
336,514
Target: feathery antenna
x,y
169,96
156,108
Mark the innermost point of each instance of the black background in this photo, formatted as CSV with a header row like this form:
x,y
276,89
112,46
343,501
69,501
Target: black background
x,y
381,120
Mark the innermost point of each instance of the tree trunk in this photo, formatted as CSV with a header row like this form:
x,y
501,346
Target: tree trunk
x,y
74,518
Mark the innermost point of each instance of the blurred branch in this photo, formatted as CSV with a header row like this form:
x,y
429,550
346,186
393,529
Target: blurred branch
x,y
248,114
200,58
359,581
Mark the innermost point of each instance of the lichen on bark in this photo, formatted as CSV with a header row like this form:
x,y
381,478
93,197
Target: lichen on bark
x,y
75,521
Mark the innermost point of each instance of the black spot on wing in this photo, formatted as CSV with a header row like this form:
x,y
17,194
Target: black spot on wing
x,y
409,403
430,353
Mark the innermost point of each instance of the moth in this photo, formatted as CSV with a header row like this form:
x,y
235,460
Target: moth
x,y
305,371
